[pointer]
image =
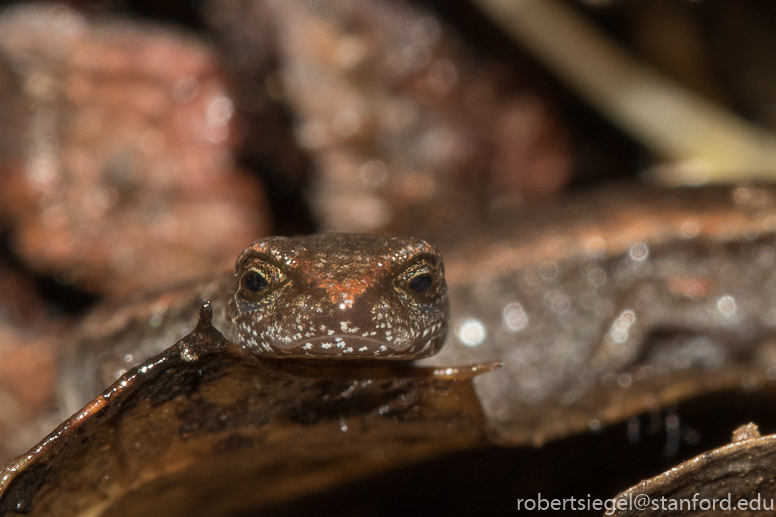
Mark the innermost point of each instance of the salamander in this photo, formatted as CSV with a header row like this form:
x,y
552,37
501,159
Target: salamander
x,y
326,296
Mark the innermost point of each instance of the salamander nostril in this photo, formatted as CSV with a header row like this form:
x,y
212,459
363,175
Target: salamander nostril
x,y
420,283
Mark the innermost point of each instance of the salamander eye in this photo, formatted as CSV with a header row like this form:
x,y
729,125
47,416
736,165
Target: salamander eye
x,y
259,280
420,283
421,280
255,281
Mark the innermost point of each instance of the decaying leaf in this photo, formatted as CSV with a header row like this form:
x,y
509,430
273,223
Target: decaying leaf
x,y
734,479
207,428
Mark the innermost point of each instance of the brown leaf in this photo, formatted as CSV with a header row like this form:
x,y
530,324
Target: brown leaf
x,y
206,427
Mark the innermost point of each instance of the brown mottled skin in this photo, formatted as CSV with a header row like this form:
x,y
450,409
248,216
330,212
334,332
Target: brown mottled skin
x,y
349,296
330,296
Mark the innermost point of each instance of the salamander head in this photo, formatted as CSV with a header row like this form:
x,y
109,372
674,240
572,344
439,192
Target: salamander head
x,y
339,295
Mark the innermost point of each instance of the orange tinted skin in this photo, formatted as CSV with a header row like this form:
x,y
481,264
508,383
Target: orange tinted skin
x,y
338,295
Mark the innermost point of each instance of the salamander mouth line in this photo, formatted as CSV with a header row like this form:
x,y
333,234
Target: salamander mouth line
x,y
340,343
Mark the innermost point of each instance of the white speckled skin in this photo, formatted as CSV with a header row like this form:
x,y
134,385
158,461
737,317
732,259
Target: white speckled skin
x,y
339,295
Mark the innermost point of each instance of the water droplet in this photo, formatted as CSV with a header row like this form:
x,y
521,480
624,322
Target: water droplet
x,y
515,317
727,305
185,89
690,229
188,356
595,247
471,332
639,251
620,328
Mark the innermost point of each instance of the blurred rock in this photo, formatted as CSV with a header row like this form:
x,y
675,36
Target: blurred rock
x,y
28,402
125,179
616,302
29,342
409,134
245,34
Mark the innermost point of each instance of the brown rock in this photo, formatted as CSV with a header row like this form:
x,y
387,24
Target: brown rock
x,y
408,133
126,179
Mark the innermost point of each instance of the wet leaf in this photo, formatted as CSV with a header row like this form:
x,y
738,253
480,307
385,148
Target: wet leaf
x,y
737,477
207,428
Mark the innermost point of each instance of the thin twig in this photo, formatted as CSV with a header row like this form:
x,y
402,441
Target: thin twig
x,y
702,142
